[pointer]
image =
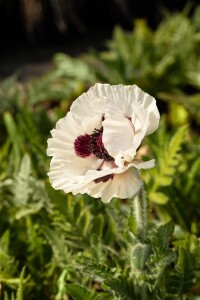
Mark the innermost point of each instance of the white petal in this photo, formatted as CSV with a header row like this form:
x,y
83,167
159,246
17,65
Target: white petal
x,y
124,185
55,175
140,164
153,122
149,103
63,137
61,147
124,100
91,123
57,178
118,137
62,179
118,97
79,166
88,105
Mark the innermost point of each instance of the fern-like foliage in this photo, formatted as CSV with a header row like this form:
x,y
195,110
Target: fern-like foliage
x,y
182,279
78,292
167,164
21,282
8,264
98,271
122,287
20,288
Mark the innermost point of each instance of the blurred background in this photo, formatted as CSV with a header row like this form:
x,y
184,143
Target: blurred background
x,y
32,31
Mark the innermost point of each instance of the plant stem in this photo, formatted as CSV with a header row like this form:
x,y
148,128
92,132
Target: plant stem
x,y
140,213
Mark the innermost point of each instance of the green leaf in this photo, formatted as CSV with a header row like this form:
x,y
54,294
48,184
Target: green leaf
x,y
110,231
5,241
168,162
21,285
6,296
84,221
98,271
98,225
159,261
163,234
62,289
21,187
158,197
25,167
123,287
14,135
77,292
182,279
141,254
73,67
78,208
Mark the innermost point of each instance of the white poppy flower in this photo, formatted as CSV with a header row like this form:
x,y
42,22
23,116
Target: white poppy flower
x,y
93,147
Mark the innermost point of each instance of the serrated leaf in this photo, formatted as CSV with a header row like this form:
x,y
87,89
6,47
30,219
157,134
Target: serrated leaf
x,y
98,271
77,292
25,166
158,263
123,287
59,245
184,261
182,280
27,211
21,187
167,165
73,67
163,234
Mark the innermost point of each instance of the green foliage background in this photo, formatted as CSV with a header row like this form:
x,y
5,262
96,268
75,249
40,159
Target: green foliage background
x,y
75,247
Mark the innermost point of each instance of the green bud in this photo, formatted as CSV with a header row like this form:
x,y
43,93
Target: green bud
x,y
141,253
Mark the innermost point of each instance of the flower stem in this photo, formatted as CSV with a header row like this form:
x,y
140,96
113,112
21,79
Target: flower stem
x,y
140,208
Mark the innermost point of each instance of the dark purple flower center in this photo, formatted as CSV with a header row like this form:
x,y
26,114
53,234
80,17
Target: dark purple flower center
x,y
81,145
86,145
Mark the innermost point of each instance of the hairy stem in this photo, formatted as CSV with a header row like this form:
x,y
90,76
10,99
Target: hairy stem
x,y
140,213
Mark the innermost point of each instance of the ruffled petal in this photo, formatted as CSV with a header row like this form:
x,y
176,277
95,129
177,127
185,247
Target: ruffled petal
x,y
123,185
140,164
88,105
61,146
118,97
118,137
125,100
58,180
149,103
79,166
